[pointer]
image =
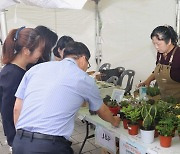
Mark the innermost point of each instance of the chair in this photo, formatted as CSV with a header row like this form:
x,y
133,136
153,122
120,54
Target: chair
x,y
105,66
130,74
113,79
106,74
120,69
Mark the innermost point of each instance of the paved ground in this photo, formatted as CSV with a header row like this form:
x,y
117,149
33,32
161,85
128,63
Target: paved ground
x,y
77,139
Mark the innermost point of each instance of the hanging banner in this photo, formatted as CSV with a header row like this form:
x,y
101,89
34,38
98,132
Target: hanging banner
x,y
105,139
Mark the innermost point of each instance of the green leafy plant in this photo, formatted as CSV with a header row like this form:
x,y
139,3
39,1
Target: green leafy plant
x,y
148,114
109,102
178,127
165,126
162,109
176,109
134,116
153,91
171,100
132,113
125,110
124,103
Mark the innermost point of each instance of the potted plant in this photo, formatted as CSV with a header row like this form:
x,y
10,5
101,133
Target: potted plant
x,y
171,100
123,103
165,128
178,127
177,112
112,104
133,116
125,110
153,93
148,114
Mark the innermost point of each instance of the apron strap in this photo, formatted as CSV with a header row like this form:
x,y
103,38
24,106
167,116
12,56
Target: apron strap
x,y
171,58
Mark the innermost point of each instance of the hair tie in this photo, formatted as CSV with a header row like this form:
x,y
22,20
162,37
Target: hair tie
x,y
17,33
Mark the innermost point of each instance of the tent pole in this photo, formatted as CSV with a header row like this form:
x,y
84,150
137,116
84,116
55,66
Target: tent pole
x,y
3,25
98,44
178,19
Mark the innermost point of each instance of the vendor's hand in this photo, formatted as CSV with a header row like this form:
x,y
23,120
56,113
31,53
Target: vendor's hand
x,y
116,121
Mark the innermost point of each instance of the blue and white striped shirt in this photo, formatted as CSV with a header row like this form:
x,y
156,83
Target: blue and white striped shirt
x,y
52,93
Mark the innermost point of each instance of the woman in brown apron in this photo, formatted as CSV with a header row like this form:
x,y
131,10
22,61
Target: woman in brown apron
x,y
167,70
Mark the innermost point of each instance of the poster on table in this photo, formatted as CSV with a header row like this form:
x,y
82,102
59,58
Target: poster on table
x,y
128,146
105,138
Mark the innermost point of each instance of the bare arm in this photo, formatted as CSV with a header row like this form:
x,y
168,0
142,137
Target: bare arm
x,y
17,109
147,81
105,114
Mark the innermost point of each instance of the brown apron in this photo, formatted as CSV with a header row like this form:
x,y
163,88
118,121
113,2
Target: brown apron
x,y
167,86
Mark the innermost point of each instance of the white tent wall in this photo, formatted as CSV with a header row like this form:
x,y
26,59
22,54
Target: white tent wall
x,y
126,28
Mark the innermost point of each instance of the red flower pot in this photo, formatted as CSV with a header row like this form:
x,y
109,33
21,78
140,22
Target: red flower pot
x,y
125,123
133,129
165,141
114,110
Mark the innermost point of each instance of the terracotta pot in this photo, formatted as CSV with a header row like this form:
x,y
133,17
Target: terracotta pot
x,y
133,129
165,141
114,110
125,123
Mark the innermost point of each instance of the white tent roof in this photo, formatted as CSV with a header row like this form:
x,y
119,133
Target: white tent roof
x,y
126,28
72,4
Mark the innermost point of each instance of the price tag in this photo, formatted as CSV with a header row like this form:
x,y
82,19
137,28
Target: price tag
x,y
117,94
105,139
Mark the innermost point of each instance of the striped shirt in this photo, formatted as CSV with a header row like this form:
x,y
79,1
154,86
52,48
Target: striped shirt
x,y
52,93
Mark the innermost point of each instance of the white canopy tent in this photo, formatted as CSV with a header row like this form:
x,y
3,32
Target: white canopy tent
x,y
125,27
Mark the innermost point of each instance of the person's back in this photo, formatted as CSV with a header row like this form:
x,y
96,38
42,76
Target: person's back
x,y
49,96
57,99
21,47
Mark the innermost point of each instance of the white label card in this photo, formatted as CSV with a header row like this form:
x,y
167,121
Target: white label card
x,y
117,94
105,139
128,146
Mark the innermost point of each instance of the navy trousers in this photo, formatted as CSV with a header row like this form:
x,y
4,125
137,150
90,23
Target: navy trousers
x,y
27,145
9,130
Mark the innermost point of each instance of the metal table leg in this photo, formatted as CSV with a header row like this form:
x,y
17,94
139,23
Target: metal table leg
x,y
86,137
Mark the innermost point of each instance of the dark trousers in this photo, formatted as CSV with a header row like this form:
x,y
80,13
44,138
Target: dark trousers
x,y
29,145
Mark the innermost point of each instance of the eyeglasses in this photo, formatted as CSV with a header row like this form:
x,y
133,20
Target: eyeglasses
x,y
89,65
